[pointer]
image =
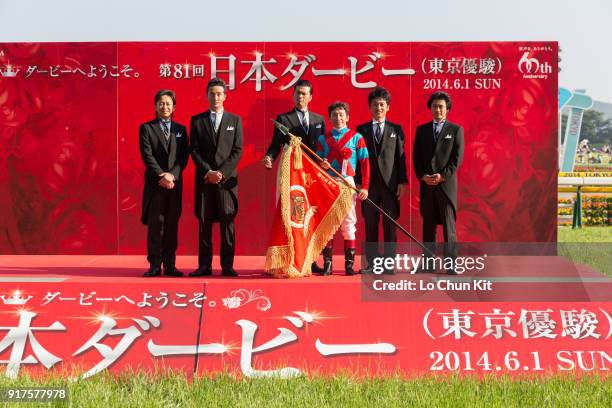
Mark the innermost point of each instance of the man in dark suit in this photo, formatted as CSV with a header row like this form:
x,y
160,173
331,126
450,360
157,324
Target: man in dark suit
x,y
216,148
302,123
165,150
438,152
388,178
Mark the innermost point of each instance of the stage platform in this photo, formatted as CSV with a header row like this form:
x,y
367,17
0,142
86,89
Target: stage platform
x,y
86,314
131,267
543,277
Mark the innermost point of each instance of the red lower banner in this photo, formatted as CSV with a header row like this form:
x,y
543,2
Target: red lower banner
x,y
263,327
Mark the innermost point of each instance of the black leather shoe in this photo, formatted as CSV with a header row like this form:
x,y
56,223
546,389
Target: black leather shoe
x,y
152,272
316,269
451,272
349,261
202,271
173,272
229,272
327,262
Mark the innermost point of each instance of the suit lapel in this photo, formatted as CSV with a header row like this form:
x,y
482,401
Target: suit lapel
x,y
310,124
211,128
294,120
314,123
172,140
369,138
385,136
160,135
441,135
429,135
222,127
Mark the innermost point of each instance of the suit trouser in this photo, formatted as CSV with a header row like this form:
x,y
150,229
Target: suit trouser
x,y
382,197
162,232
219,206
439,211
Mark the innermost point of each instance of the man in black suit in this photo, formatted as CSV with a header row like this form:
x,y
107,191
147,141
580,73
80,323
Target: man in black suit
x,y
388,178
216,148
302,123
438,152
164,150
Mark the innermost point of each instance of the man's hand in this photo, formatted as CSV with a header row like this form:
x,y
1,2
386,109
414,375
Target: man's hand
x,y
401,189
267,162
363,194
437,178
167,176
433,180
166,184
213,177
166,180
325,164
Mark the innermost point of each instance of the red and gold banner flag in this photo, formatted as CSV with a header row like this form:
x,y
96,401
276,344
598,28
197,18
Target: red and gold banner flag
x,y
311,207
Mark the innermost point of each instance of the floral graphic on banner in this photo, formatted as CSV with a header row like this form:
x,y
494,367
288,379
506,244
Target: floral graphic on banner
x,y
241,297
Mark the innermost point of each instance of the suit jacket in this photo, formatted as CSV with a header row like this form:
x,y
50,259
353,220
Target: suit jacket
x,y
443,157
316,128
219,151
161,156
388,165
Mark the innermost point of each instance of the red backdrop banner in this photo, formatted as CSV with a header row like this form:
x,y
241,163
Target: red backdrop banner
x,y
72,177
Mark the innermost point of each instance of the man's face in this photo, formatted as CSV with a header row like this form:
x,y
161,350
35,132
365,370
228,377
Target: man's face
x,y
379,109
339,118
302,97
164,107
438,109
216,97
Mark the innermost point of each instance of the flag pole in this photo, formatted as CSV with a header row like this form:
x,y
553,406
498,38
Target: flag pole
x,y
284,130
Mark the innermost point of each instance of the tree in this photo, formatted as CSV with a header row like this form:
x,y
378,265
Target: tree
x,y
596,128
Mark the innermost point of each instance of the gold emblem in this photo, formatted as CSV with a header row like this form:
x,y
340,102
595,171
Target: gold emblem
x,y
298,210
301,211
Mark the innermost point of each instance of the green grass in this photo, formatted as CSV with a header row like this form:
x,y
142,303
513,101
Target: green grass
x,y
174,390
584,234
587,246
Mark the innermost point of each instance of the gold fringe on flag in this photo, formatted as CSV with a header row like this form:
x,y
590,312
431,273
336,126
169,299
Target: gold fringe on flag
x,y
280,259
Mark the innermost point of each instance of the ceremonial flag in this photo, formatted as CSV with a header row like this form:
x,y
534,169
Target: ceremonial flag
x,y
311,207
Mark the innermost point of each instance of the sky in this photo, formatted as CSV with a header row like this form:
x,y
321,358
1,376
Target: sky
x,y
583,29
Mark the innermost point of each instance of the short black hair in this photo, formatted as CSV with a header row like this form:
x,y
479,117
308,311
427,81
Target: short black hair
x,y
165,92
215,82
440,95
337,105
303,82
379,92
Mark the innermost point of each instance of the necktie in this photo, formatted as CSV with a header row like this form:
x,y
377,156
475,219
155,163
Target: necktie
x,y
166,129
378,134
216,122
436,131
305,122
